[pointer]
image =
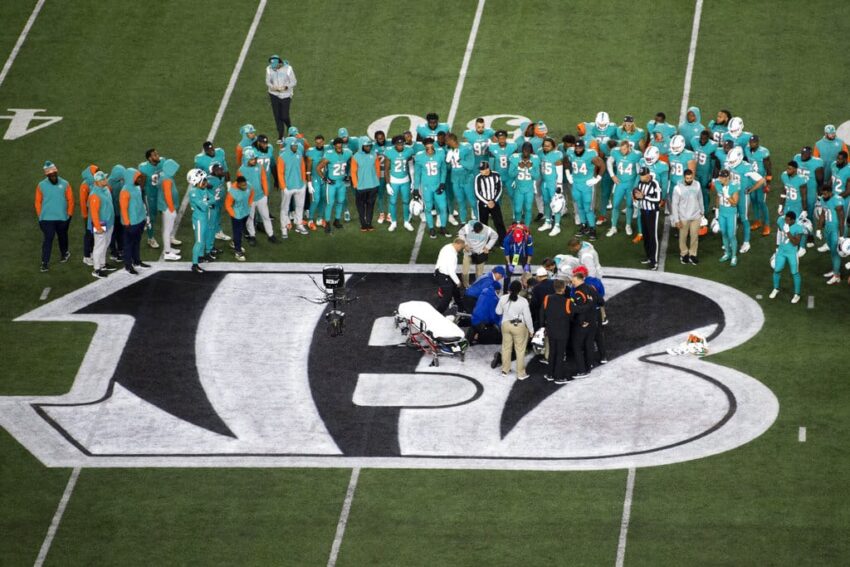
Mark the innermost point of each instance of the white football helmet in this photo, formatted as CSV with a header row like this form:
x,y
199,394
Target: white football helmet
x,y
703,222
602,120
558,204
735,157
844,247
248,154
416,206
196,176
715,225
736,126
566,263
773,261
806,224
677,144
538,343
651,155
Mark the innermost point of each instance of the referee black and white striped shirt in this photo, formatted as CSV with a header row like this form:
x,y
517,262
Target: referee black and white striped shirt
x,y
651,195
488,187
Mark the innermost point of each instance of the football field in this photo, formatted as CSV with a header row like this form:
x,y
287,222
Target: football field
x,y
108,80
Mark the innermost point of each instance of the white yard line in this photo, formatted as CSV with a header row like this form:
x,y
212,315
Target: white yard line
x,y
343,516
225,100
627,513
57,518
801,435
683,111
810,304
461,78
21,39
44,293
665,240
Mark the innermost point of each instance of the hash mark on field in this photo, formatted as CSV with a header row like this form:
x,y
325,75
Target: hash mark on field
x,y
801,435
343,516
57,518
44,293
811,302
21,39
627,514
467,55
225,100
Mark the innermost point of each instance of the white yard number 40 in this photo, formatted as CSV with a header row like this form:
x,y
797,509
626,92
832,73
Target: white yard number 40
x,y
20,119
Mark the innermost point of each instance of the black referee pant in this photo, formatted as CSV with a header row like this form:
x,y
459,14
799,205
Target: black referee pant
x,y
484,215
446,291
649,223
280,109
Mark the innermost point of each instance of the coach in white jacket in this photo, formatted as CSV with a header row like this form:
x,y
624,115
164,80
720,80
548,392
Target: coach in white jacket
x,y
686,212
280,81
479,240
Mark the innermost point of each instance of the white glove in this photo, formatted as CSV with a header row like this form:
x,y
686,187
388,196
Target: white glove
x,y
802,216
819,234
593,181
310,187
779,209
570,177
390,190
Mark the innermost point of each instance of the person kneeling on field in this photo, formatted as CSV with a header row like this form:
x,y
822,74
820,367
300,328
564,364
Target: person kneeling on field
x,y
479,240
473,292
238,205
486,323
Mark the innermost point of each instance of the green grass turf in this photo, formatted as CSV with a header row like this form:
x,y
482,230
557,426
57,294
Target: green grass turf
x,y
201,517
129,79
484,518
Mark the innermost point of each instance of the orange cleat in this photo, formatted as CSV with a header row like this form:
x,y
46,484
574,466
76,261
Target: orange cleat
x,y
637,239
755,225
765,231
311,225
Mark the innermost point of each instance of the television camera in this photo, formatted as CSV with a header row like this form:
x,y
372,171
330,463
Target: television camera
x,y
336,295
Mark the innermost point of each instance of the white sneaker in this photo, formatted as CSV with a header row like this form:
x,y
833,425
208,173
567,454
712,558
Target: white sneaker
x,y
847,266
773,294
437,221
88,261
301,229
153,243
823,247
284,233
795,299
628,230
745,247
801,252
392,226
610,206
545,226
175,242
408,226
171,256
453,220
829,274
346,216
556,230
612,231
381,218
833,280
810,244
218,236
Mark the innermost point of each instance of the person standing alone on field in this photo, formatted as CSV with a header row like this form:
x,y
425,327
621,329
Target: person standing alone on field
x,y
54,205
686,211
281,81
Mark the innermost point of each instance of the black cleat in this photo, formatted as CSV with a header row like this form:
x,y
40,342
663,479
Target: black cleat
x,y
142,265
539,217
131,270
197,269
432,233
65,257
44,267
273,239
684,259
693,260
565,380
337,224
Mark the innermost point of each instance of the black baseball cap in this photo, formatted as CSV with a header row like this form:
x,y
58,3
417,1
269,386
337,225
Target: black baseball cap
x,y
629,118
724,173
484,165
580,143
643,171
399,139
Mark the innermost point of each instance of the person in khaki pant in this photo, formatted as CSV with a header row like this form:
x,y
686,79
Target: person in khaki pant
x,y
686,212
516,328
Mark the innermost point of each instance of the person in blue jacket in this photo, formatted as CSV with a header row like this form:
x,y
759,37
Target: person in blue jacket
x,y
473,292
